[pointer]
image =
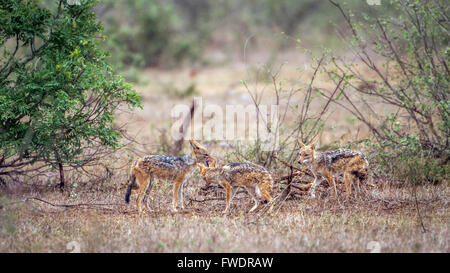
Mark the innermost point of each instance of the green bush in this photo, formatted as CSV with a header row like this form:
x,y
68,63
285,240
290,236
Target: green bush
x,y
407,58
58,94
145,33
409,162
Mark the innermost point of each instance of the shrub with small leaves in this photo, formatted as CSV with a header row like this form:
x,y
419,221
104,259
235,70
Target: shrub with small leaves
x,y
407,58
58,94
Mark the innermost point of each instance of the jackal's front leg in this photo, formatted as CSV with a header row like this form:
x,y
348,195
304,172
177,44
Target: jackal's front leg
x,y
139,201
331,182
255,206
227,188
180,195
252,191
314,185
176,191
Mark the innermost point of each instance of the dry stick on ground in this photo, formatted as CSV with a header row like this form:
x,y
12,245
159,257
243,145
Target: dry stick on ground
x,y
70,205
86,205
213,199
205,200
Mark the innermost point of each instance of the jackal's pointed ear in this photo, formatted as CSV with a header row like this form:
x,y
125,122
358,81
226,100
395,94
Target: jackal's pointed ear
x,y
197,146
300,143
194,144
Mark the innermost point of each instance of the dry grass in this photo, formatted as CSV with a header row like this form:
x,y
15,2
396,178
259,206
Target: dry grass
x,y
385,214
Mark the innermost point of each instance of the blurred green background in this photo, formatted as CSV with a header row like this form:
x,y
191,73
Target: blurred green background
x,y
169,33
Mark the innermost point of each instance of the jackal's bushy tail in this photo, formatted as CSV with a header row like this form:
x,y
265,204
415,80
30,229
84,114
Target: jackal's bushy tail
x,y
132,185
128,194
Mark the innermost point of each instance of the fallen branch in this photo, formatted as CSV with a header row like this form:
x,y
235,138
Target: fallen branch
x,y
213,199
70,205
206,199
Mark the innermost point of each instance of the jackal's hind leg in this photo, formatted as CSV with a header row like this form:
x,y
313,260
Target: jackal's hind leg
x,y
140,197
228,189
348,181
142,181
180,195
147,192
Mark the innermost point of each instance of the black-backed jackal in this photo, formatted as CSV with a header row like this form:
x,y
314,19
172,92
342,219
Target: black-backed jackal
x,y
352,164
163,167
254,178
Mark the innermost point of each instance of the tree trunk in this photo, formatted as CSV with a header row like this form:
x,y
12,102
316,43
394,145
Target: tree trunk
x,y
62,180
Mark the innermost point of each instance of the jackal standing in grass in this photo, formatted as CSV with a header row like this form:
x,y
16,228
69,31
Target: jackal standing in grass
x,y
254,178
163,167
352,164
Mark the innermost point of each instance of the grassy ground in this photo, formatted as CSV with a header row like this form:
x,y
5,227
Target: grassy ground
x,y
386,214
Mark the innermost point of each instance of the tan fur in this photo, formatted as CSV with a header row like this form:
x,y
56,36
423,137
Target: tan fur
x,y
352,164
169,168
255,179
